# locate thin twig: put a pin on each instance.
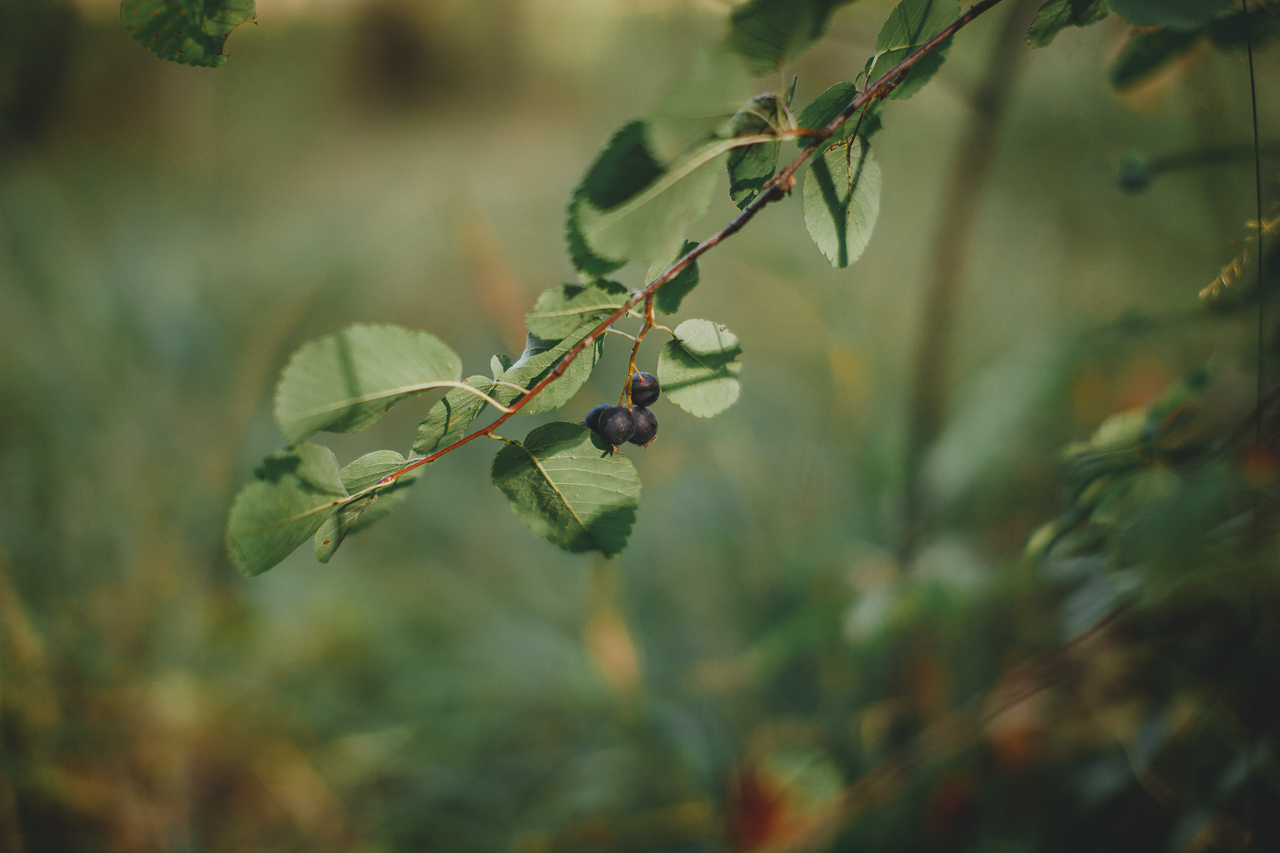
(775, 190)
(625, 399)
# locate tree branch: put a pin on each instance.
(775, 190)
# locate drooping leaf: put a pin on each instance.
(1056, 15)
(842, 200)
(539, 359)
(345, 382)
(560, 310)
(499, 363)
(568, 490)
(190, 32)
(830, 104)
(296, 490)
(1147, 53)
(668, 298)
(770, 34)
(450, 416)
(1176, 14)
(908, 27)
(752, 166)
(699, 370)
(356, 515)
(634, 206)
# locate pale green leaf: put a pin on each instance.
(539, 359)
(562, 309)
(1056, 15)
(356, 515)
(190, 32)
(699, 370)
(451, 415)
(568, 490)
(498, 364)
(345, 382)
(908, 27)
(842, 200)
(698, 106)
(296, 490)
(1176, 14)
(668, 298)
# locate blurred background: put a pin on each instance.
(773, 663)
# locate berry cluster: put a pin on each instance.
(638, 425)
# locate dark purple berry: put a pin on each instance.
(644, 390)
(593, 417)
(646, 427)
(616, 425)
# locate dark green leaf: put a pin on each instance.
(752, 166)
(668, 298)
(842, 200)
(1228, 32)
(296, 491)
(449, 418)
(1056, 15)
(772, 33)
(191, 32)
(569, 491)
(347, 381)
(908, 27)
(539, 359)
(356, 515)
(1147, 52)
(699, 370)
(830, 104)
(1177, 14)
(560, 310)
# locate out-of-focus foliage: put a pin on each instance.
(762, 669)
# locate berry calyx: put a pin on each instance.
(644, 390)
(646, 427)
(592, 421)
(616, 425)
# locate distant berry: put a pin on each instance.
(644, 390)
(616, 424)
(593, 417)
(646, 426)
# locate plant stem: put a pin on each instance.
(649, 322)
(777, 189)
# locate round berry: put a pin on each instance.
(593, 417)
(644, 390)
(646, 426)
(616, 425)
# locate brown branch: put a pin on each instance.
(775, 190)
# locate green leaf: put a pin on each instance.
(190, 32)
(449, 418)
(752, 166)
(698, 106)
(1229, 33)
(630, 207)
(347, 381)
(1056, 15)
(356, 515)
(699, 370)
(569, 491)
(560, 310)
(1176, 14)
(499, 363)
(772, 33)
(1147, 52)
(830, 104)
(296, 491)
(908, 27)
(540, 357)
(842, 200)
(668, 298)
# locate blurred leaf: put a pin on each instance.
(540, 357)
(567, 490)
(698, 106)
(699, 371)
(908, 27)
(1175, 14)
(630, 207)
(354, 516)
(842, 201)
(772, 33)
(1056, 15)
(1228, 32)
(752, 166)
(190, 32)
(345, 382)
(1147, 52)
(562, 309)
(296, 490)
(449, 417)
(668, 298)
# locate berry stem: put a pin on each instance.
(649, 323)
